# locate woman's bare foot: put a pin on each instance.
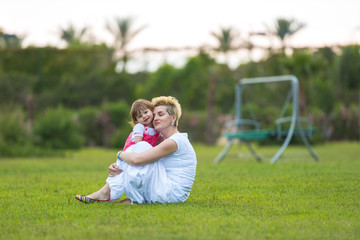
(126, 201)
(102, 194)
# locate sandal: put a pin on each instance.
(85, 199)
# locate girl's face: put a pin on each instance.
(145, 117)
(162, 118)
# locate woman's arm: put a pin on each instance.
(152, 155)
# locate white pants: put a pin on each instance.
(146, 183)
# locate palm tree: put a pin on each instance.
(226, 44)
(285, 28)
(72, 36)
(123, 32)
(248, 43)
(226, 41)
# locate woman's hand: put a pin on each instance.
(114, 170)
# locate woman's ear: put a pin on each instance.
(173, 120)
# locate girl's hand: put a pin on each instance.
(114, 170)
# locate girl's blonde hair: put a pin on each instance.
(136, 107)
(172, 106)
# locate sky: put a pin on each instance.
(183, 23)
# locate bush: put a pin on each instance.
(345, 123)
(14, 138)
(118, 113)
(113, 117)
(119, 137)
(91, 127)
(107, 126)
(13, 127)
(58, 128)
(15, 88)
(194, 124)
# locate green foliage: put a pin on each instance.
(350, 67)
(119, 87)
(119, 137)
(304, 64)
(107, 125)
(13, 127)
(194, 124)
(165, 77)
(58, 129)
(40, 78)
(15, 88)
(324, 95)
(14, 138)
(271, 66)
(193, 78)
(225, 95)
(92, 129)
(77, 62)
(194, 81)
(345, 122)
(119, 113)
(297, 198)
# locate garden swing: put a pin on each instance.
(240, 126)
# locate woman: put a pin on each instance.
(164, 173)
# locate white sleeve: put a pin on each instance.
(138, 130)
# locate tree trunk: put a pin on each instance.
(211, 101)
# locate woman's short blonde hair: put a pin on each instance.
(172, 106)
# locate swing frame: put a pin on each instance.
(257, 134)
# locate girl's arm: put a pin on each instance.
(152, 155)
(138, 139)
(138, 132)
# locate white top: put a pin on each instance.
(139, 130)
(181, 167)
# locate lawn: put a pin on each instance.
(296, 198)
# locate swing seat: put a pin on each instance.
(258, 135)
(251, 135)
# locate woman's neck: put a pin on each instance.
(169, 132)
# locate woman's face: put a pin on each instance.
(162, 118)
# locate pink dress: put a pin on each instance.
(148, 134)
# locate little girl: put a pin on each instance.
(141, 119)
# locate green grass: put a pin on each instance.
(296, 198)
